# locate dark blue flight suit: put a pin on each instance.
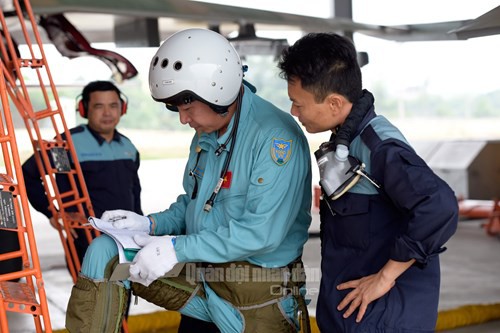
(111, 175)
(410, 217)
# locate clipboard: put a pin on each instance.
(121, 271)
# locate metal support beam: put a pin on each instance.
(343, 9)
(136, 32)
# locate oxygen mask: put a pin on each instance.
(337, 169)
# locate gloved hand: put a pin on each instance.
(156, 258)
(124, 219)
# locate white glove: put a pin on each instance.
(124, 219)
(156, 258)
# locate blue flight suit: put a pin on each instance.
(260, 216)
(411, 216)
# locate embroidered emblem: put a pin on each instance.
(281, 150)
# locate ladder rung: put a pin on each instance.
(18, 297)
(44, 114)
(68, 194)
(11, 254)
(54, 144)
(6, 179)
(74, 218)
(73, 202)
(5, 138)
(25, 272)
(33, 63)
(7, 184)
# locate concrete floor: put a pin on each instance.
(470, 266)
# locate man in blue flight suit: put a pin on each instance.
(242, 222)
(108, 159)
(384, 217)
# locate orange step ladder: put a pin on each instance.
(18, 290)
(53, 147)
(46, 127)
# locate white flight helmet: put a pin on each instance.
(196, 64)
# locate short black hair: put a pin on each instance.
(97, 86)
(325, 63)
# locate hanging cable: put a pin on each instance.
(232, 137)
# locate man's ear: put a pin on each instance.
(335, 103)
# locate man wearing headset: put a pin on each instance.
(109, 160)
(241, 224)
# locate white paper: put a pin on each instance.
(124, 238)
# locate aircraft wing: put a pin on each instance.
(215, 14)
(418, 32)
(120, 20)
(196, 11)
(485, 25)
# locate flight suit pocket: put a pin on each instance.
(351, 224)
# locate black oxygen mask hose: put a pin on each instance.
(359, 110)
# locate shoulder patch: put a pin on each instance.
(281, 150)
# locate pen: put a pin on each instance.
(116, 218)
